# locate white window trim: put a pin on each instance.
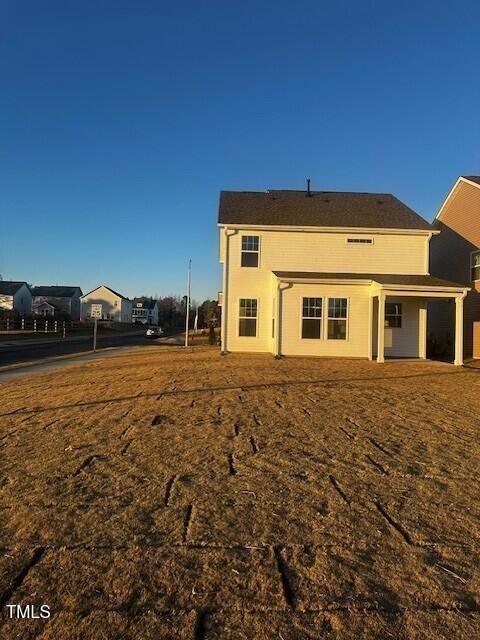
(239, 317)
(250, 235)
(370, 241)
(322, 323)
(473, 253)
(347, 326)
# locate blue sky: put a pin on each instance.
(121, 121)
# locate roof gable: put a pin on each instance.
(103, 286)
(43, 303)
(472, 180)
(319, 209)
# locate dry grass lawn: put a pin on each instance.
(172, 494)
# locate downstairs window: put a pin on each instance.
(247, 318)
(337, 318)
(311, 318)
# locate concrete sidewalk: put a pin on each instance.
(12, 371)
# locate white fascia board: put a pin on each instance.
(421, 289)
(363, 283)
(353, 230)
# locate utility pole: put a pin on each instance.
(187, 315)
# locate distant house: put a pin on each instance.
(145, 310)
(455, 254)
(106, 304)
(44, 309)
(57, 301)
(15, 297)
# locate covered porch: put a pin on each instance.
(391, 295)
(378, 316)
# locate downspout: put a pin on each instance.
(278, 322)
(225, 291)
(427, 255)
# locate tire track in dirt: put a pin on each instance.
(18, 580)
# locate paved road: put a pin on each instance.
(29, 352)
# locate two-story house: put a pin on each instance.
(327, 274)
(145, 311)
(104, 303)
(15, 297)
(57, 301)
(455, 254)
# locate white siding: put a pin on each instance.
(329, 252)
(318, 252)
(262, 288)
(356, 344)
(118, 308)
(404, 341)
(22, 301)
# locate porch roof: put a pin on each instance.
(383, 280)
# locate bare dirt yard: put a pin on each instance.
(178, 494)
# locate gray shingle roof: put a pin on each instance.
(321, 209)
(472, 178)
(9, 287)
(381, 278)
(56, 291)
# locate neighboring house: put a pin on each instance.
(106, 304)
(15, 297)
(455, 254)
(327, 274)
(145, 310)
(44, 309)
(62, 301)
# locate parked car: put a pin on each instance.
(154, 332)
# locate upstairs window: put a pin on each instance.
(250, 251)
(359, 240)
(247, 317)
(311, 317)
(393, 315)
(475, 266)
(337, 318)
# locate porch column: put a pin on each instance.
(381, 328)
(422, 331)
(370, 328)
(459, 330)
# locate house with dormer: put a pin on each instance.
(337, 274)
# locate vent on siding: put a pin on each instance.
(359, 240)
